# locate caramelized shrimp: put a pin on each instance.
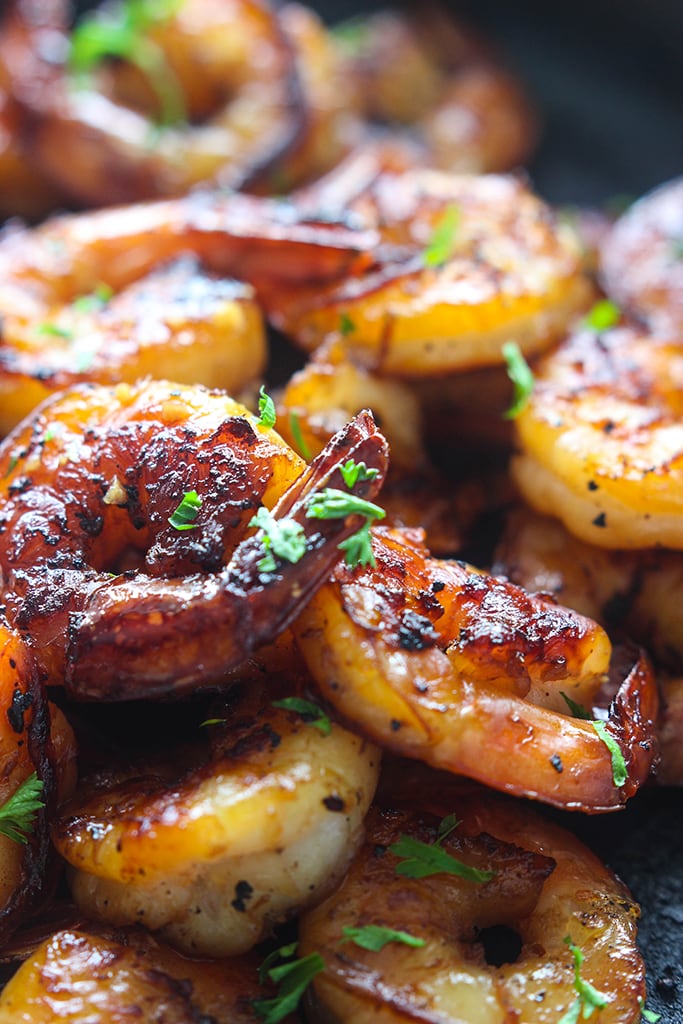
(545, 888)
(466, 672)
(509, 269)
(34, 737)
(83, 298)
(229, 122)
(600, 443)
(642, 259)
(86, 974)
(214, 858)
(119, 603)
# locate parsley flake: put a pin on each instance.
(619, 769)
(440, 246)
(521, 375)
(293, 979)
(346, 325)
(375, 937)
(649, 1015)
(424, 859)
(353, 471)
(266, 408)
(310, 712)
(55, 331)
(358, 547)
(282, 537)
(299, 441)
(603, 315)
(588, 998)
(331, 503)
(578, 710)
(183, 518)
(18, 813)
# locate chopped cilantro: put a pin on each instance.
(588, 998)
(619, 769)
(18, 813)
(310, 712)
(293, 978)
(603, 315)
(266, 408)
(374, 937)
(183, 518)
(353, 471)
(299, 441)
(521, 376)
(442, 242)
(282, 537)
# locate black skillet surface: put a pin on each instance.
(608, 78)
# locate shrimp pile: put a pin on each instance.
(281, 672)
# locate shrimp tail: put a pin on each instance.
(144, 637)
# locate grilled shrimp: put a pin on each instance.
(465, 671)
(232, 105)
(119, 603)
(642, 259)
(215, 858)
(82, 297)
(483, 261)
(112, 977)
(600, 443)
(546, 888)
(34, 738)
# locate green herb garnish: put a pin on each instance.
(588, 998)
(18, 814)
(358, 547)
(424, 859)
(295, 427)
(293, 978)
(310, 712)
(442, 242)
(331, 503)
(520, 374)
(55, 331)
(374, 937)
(94, 301)
(282, 537)
(346, 325)
(619, 769)
(266, 408)
(649, 1015)
(183, 518)
(603, 315)
(353, 471)
(578, 710)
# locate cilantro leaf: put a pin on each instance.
(440, 247)
(374, 937)
(346, 325)
(282, 537)
(603, 315)
(578, 710)
(588, 997)
(266, 408)
(353, 471)
(299, 441)
(358, 547)
(310, 712)
(331, 503)
(425, 859)
(94, 300)
(183, 518)
(293, 979)
(18, 813)
(649, 1015)
(55, 330)
(619, 769)
(521, 375)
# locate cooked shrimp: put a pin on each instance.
(600, 443)
(112, 977)
(638, 594)
(215, 858)
(34, 737)
(546, 888)
(180, 323)
(642, 259)
(88, 486)
(508, 270)
(466, 672)
(227, 67)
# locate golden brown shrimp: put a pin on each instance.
(225, 66)
(34, 738)
(214, 858)
(88, 486)
(507, 269)
(546, 888)
(642, 259)
(113, 977)
(600, 443)
(57, 328)
(464, 671)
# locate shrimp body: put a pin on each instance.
(215, 858)
(96, 575)
(546, 886)
(466, 672)
(509, 270)
(600, 443)
(84, 974)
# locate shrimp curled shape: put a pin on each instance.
(213, 859)
(90, 296)
(546, 887)
(120, 604)
(466, 672)
(600, 442)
